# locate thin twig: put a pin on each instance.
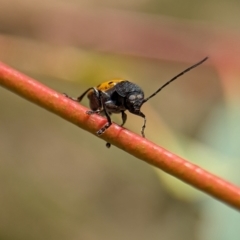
(135, 145)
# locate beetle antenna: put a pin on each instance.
(174, 78)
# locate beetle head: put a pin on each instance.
(134, 101)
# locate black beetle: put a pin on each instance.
(117, 96)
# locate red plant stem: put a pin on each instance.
(139, 147)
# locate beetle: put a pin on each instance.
(117, 96)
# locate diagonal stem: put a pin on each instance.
(139, 147)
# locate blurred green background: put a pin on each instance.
(59, 182)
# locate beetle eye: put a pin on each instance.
(139, 96)
(132, 97)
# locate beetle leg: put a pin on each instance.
(108, 145)
(144, 123)
(74, 99)
(90, 112)
(79, 99)
(143, 127)
(140, 114)
(108, 124)
(103, 129)
(112, 107)
(124, 118)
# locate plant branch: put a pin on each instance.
(135, 145)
